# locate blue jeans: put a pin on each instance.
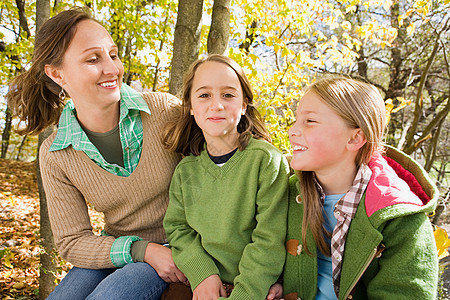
(134, 281)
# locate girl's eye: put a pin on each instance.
(204, 95)
(228, 95)
(310, 121)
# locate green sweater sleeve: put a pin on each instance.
(263, 259)
(187, 252)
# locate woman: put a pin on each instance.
(106, 152)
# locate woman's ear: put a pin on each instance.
(55, 74)
(357, 140)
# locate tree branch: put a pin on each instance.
(419, 98)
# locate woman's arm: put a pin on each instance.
(68, 214)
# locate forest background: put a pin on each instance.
(400, 46)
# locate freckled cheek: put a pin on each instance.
(318, 141)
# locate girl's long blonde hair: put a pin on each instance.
(360, 105)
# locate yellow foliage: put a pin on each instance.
(390, 108)
(320, 36)
(351, 9)
(387, 5)
(7, 256)
(400, 20)
(346, 25)
(403, 103)
(442, 242)
(410, 29)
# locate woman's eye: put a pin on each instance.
(228, 95)
(92, 60)
(310, 121)
(114, 56)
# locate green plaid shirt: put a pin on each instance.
(70, 133)
(130, 127)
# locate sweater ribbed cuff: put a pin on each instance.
(121, 250)
(238, 293)
(198, 268)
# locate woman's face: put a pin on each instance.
(91, 71)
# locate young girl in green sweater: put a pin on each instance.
(357, 223)
(226, 219)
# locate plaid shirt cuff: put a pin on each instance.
(121, 250)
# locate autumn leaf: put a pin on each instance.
(6, 255)
(442, 242)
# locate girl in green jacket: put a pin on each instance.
(226, 219)
(357, 226)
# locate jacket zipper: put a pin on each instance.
(371, 257)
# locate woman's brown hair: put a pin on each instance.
(33, 96)
(360, 105)
(184, 136)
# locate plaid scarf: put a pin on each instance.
(344, 212)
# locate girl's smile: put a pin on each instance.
(319, 138)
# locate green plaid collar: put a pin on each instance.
(70, 131)
(131, 133)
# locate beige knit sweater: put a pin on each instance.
(133, 205)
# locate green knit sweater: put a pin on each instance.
(230, 220)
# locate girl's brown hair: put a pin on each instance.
(33, 96)
(184, 136)
(360, 105)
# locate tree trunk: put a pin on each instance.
(22, 17)
(219, 32)
(432, 148)
(22, 143)
(411, 145)
(48, 268)
(6, 133)
(250, 37)
(396, 83)
(186, 41)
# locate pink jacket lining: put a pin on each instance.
(392, 184)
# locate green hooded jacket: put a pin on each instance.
(392, 217)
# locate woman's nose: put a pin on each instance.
(110, 67)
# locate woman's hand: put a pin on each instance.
(275, 292)
(160, 258)
(210, 288)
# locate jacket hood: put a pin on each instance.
(398, 180)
